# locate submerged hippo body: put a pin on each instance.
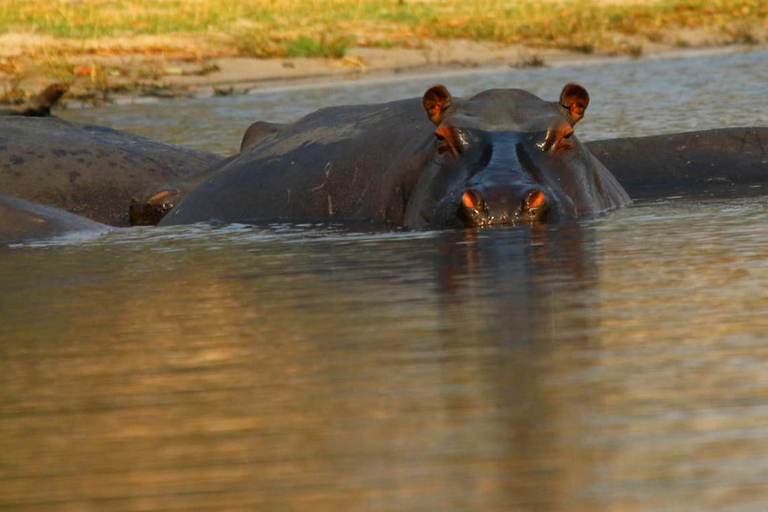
(88, 170)
(691, 163)
(500, 157)
(22, 220)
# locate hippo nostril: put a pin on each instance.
(470, 199)
(535, 199)
(534, 205)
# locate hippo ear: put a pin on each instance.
(437, 101)
(575, 100)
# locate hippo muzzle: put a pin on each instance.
(510, 205)
(498, 190)
(485, 205)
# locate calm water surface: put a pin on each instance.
(614, 364)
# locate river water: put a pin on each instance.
(615, 364)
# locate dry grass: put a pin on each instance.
(104, 46)
(269, 28)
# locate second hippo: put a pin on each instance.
(89, 170)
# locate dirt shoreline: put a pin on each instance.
(129, 77)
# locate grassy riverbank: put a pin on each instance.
(328, 27)
(40, 34)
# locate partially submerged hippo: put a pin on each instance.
(691, 163)
(22, 220)
(501, 157)
(89, 170)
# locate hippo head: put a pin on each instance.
(506, 157)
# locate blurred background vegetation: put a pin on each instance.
(98, 48)
(273, 28)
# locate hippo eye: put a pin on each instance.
(445, 142)
(442, 144)
(557, 139)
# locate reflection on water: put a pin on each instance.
(615, 364)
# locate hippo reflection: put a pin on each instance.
(502, 157)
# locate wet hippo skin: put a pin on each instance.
(88, 170)
(22, 220)
(689, 163)
(502, 157)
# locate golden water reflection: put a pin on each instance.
(615, 366)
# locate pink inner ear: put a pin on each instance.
(436, 101)
(576, 99)
(433, 111)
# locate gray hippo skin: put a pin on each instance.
(88, 170)
(148, 208)
(501, 157)
(710, 162)
(22, 220)
(691, 163)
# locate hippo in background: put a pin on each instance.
(22, 221)
(502, 157)
(696, 163)
(88, 170)
(149, 207)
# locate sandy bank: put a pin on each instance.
(128, 75)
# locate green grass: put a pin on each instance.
(328, 27)
(305, 46)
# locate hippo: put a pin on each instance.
(501, 157)
(151, 205)
(22, 221)
(690, 163)
(88, 170)
(722, 161)
(148, 208)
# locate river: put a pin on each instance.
(614, 364)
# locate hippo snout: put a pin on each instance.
(507, 205)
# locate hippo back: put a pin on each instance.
(22, 220)
(350, 162)
(690, 163)
(89, 170)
